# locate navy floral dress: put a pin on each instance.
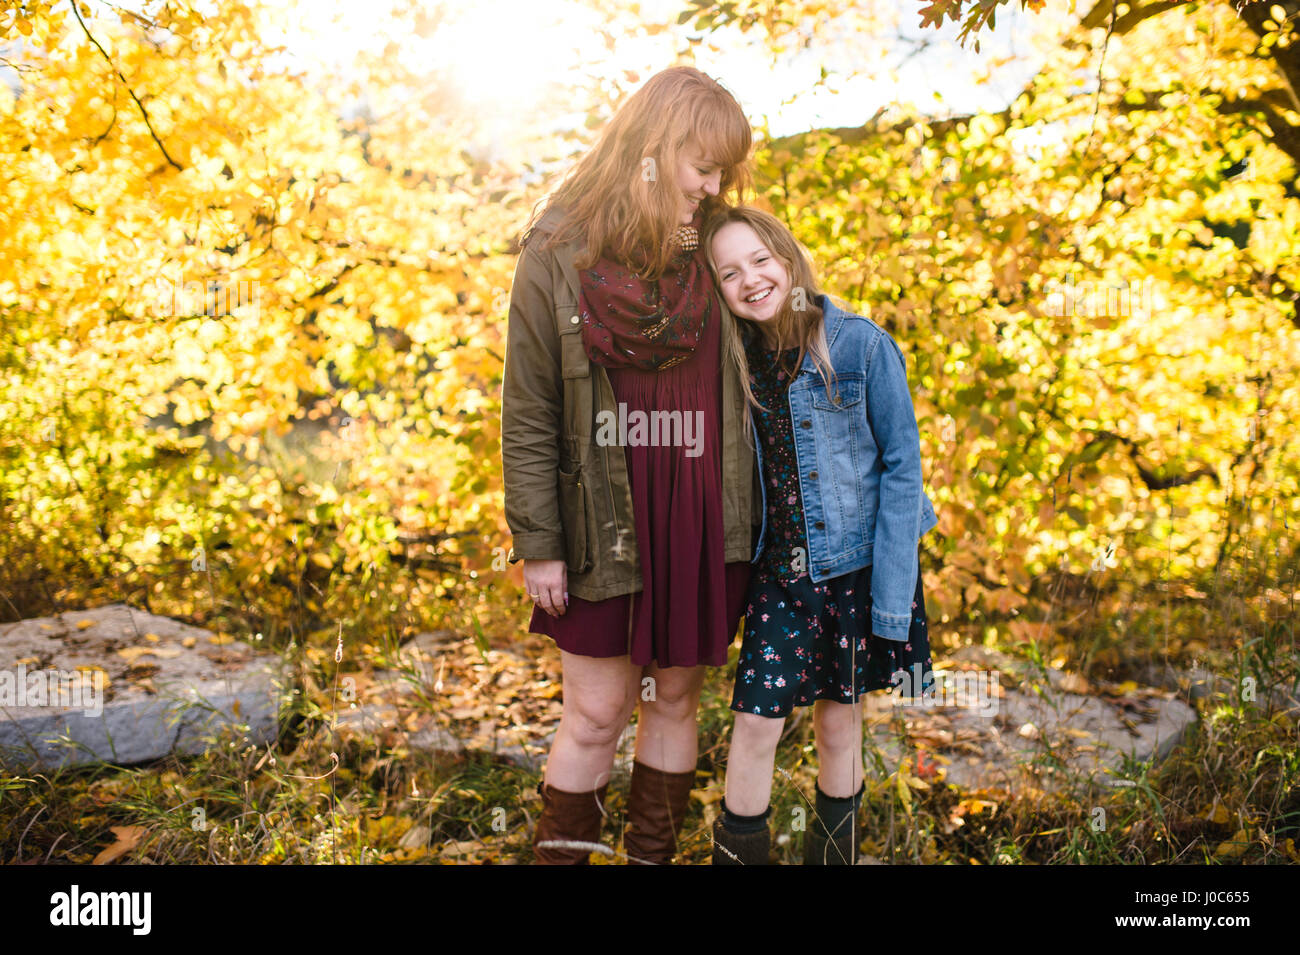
(808, 641)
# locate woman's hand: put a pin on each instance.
(547, 582)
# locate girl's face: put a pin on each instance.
(753, 281)
(697, 177)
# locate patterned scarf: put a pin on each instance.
(630, 322)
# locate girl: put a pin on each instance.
(636, 546)
(834, 607)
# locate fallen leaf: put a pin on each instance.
(1218, 813)
(93, 668)
(130, 654)
(461, 848)
(1234, 847)
(83, 624)
(707, 796)
(1074, 683)
(128, 837)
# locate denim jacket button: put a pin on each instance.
(820, 525)
(812, 475)
(806, 423)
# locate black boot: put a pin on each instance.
(832, 837)
(740, 848)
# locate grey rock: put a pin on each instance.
(1045, 729)
(171, 701)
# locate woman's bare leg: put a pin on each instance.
(599, 696)
(667, 738)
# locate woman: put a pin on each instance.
(636, 540)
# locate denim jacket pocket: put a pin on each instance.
(845, 452)
(849, 392)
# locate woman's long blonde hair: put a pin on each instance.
(623, 194)
(798, 321)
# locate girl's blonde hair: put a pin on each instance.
(798, 320)
(623, 193)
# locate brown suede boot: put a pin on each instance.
(567, 817)
(656, 808)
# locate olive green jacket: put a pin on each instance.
(566, 497)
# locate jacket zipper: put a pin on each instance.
(618, 539)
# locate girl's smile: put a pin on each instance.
(754, 282)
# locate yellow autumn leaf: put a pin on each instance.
(904, 792)
(95, 668)
(1233, 847)
(131, 654)
(1217, 813)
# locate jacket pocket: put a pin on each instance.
(849, 392)
(573, 355)
(575, 511)
(844, 456)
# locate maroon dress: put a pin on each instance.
(689, 609)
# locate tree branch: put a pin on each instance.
(143, 112)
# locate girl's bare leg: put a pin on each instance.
(838, 730)
(751, 761)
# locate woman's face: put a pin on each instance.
(697, 177)
(753, 281)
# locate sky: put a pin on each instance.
(503, 56)
(505, 60)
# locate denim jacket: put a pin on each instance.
(863, 501)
